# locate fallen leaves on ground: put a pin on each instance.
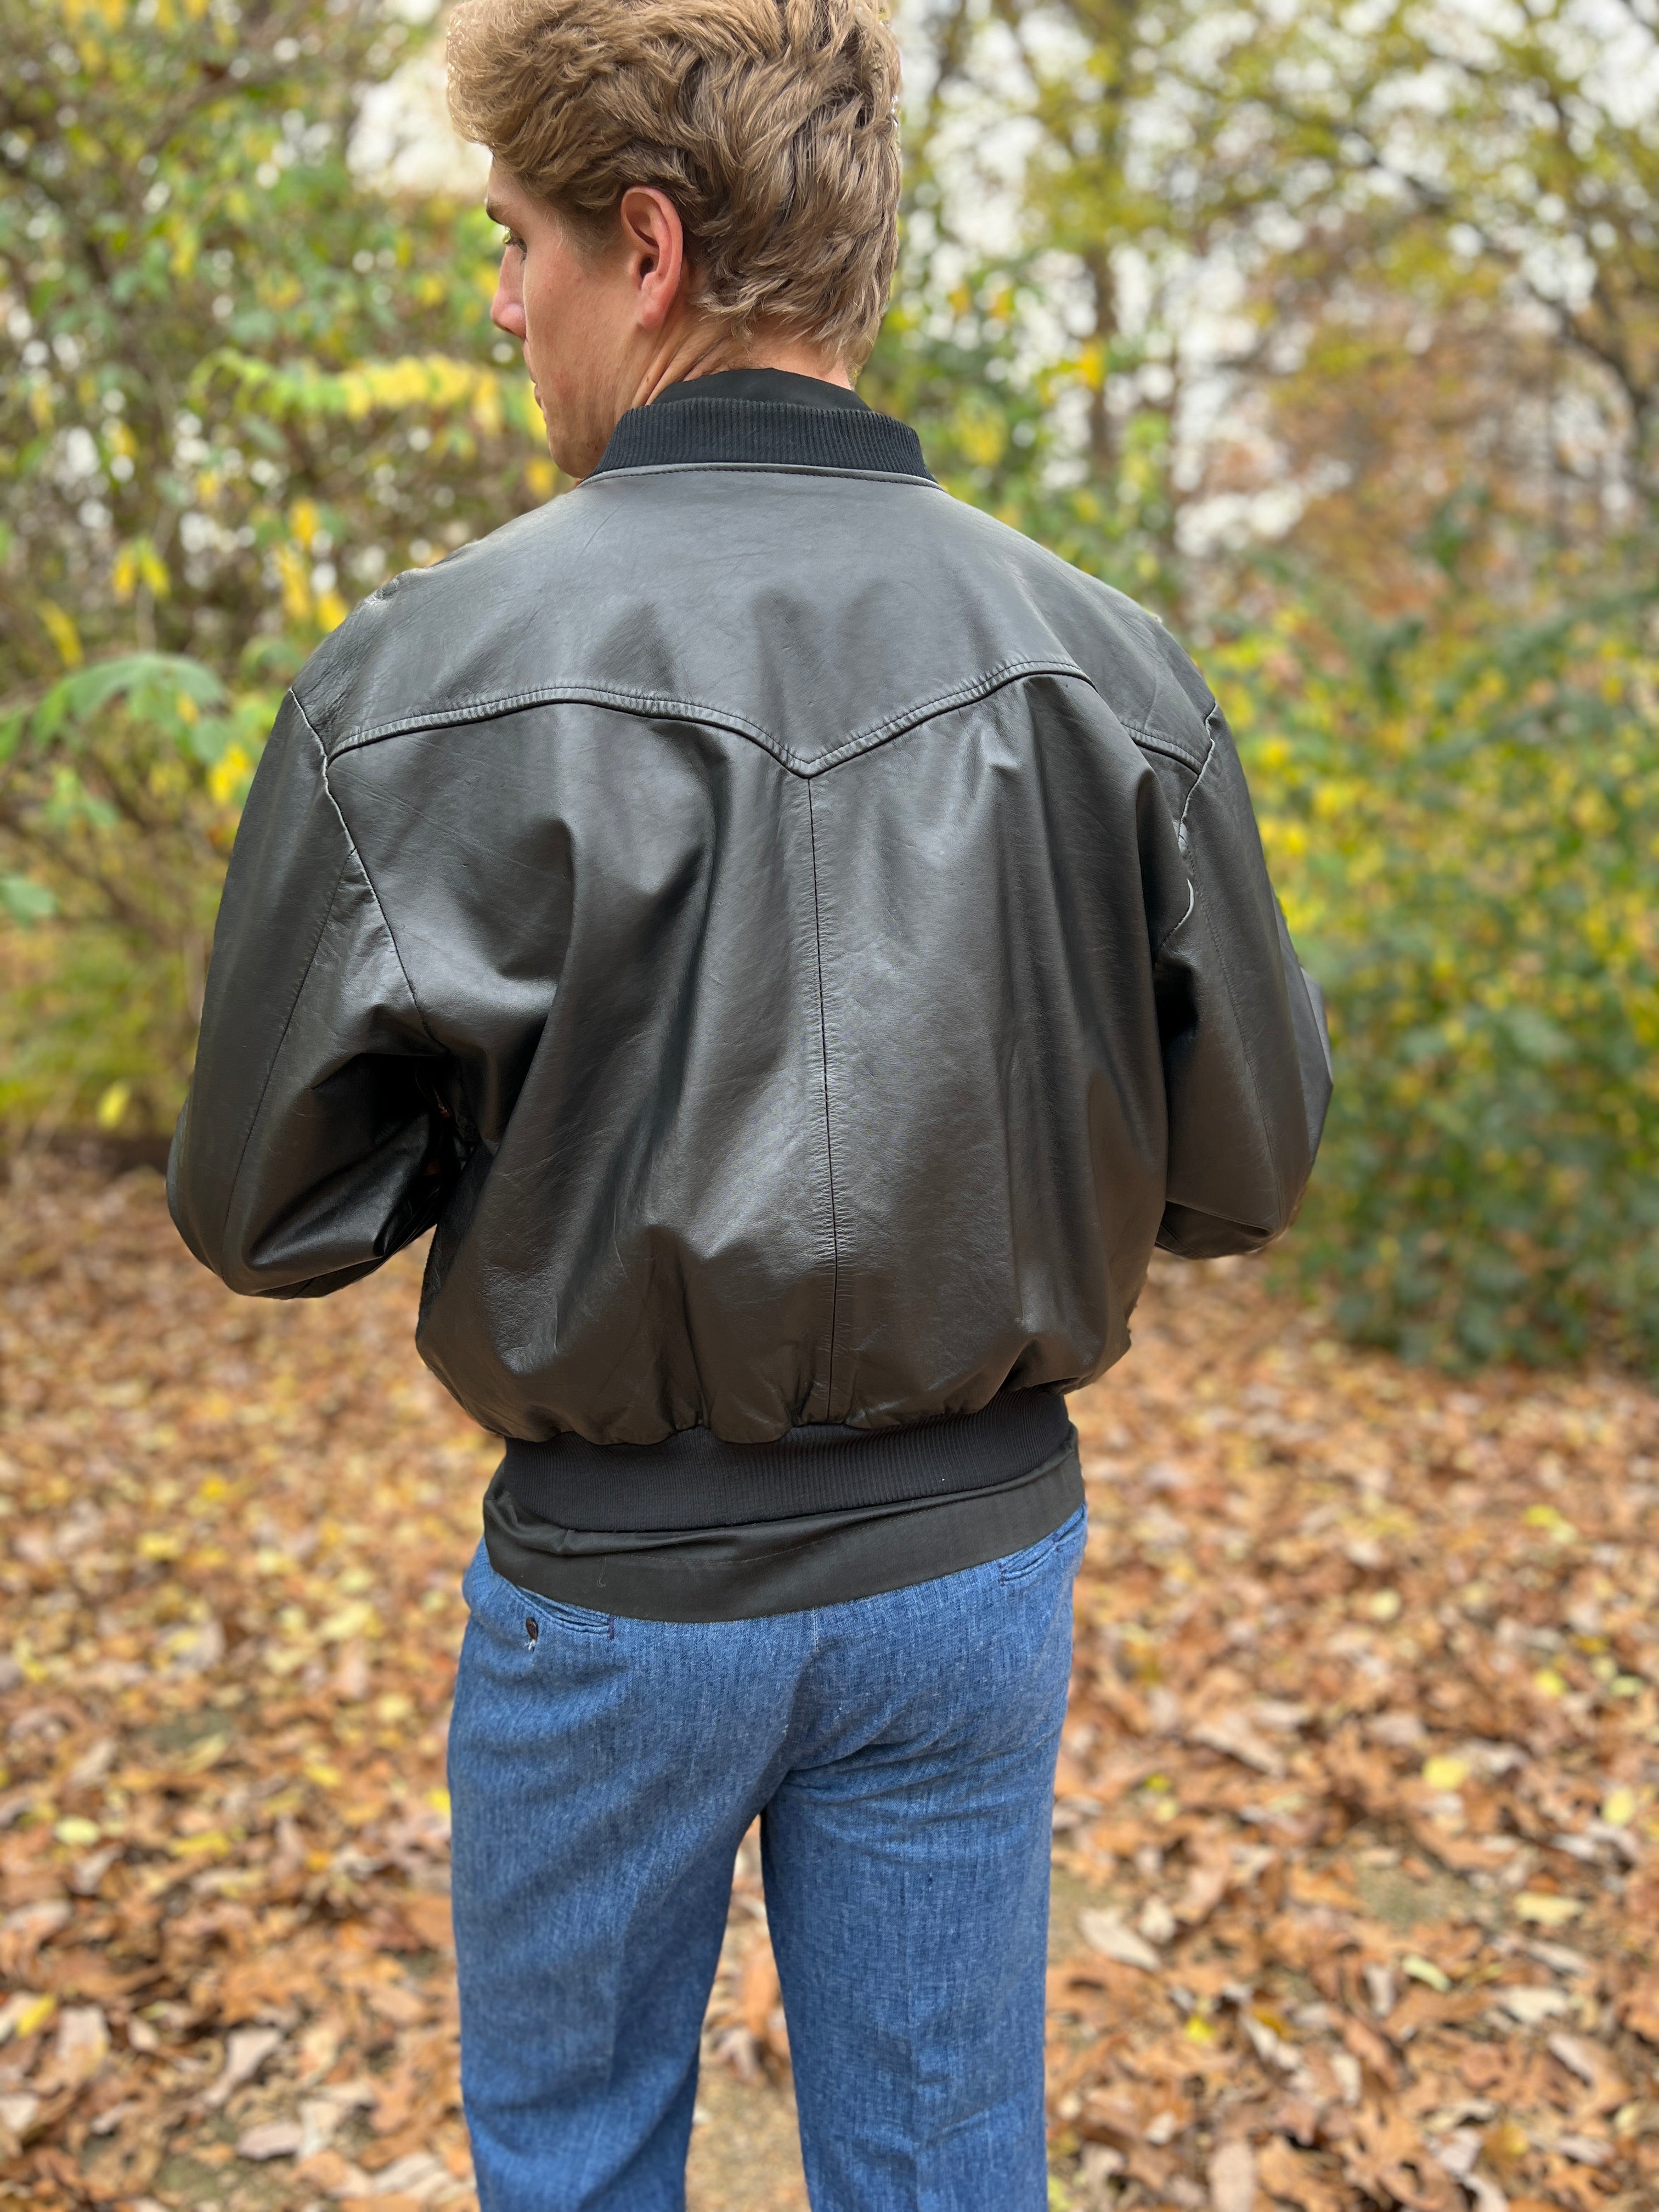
(1360, 1780)
(233, 1534)
(1358, 1837)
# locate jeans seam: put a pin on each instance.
(914, 2132)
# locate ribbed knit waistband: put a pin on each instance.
(694, 1479)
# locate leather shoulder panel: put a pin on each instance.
(775, 604)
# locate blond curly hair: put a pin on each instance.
(771, 125)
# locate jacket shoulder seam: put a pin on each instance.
(294, 1003)
(1263, 1123)
(355, 852)
(1175, 927)
(1209, 728)
(1174, 748)
(1224, 956)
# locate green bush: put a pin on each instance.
(1463, 818)
(221, 422)
(120, 786)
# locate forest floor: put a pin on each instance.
(1357, 1843)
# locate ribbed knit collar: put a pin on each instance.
(762, 417)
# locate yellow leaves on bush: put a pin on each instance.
(424, 384)
(983, 437)
(280, 289)
(184, 246)
(168, 12)
(112, 14)
(60, 627)
(295, 581)
(229, 774)
(138, 562)
(486, 408)
(111, 1109)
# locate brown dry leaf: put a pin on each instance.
(1211, 1875)
(81, 2046)
(245, 2052)
(1105, 1932)
(1235, 1735)
(427, 1915)
(1232, 2177)
(327, 2174)
(1591, 2065)
(1294, 2179)
(270, 2139)
(1118, 2111)
(1383, 2155)
(1370, 2049)
(1638, 2010)
(23, 1932)
(757, 1989)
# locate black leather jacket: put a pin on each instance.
(801, 943)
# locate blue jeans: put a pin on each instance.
(900, 1752)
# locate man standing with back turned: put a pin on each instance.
(801, 946)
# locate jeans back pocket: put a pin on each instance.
(1020, 1566)
(522, 1616)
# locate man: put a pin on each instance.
(801, 946)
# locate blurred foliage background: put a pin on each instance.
(1330, 331)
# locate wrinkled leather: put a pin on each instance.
(802, 944)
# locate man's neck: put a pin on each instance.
(698, 354)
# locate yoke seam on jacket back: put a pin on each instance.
(644, 705)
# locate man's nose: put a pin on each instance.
(506, 310)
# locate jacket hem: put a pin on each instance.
(695, 1480)
(801, 1564)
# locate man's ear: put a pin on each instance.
(653, 243)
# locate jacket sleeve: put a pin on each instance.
(1247, 1059)
(307, 1151)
